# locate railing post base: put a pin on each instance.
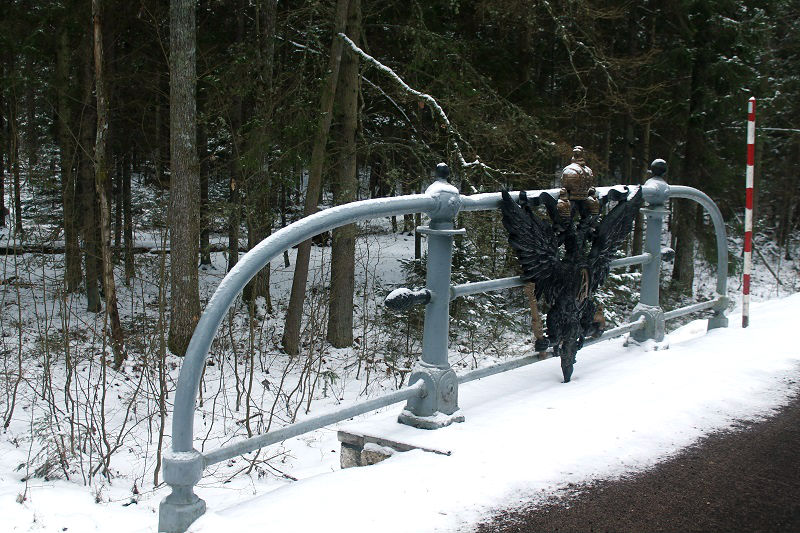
(654, 326)
(182, 471)
(177, 517)
(719, 320)
(438, 407)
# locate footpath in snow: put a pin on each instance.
(527, 435)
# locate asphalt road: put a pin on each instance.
(743, 480)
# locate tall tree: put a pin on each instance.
(72, 256)
(102, 186)
(294, 313)
(235, 165)
(345, 186)
(184, 178)
(259, 183)
(86, 185)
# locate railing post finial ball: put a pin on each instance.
(442, 172)
(659, 168)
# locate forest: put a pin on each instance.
(146, 145)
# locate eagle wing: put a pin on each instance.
(612, 231)
(535, 244)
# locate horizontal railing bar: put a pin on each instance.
(616, 332)
(530, 359)
(465, 289)
(640, 259)
(498, 368)
(702, 306)
(492, 200)
(326, 419)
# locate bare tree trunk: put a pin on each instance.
(340, 315)
(636, 247)
(294, 313)
(117, 193)
(234, 214)
(127, 230)
(101, 184)
(3, 135)
(184, 178)
(685, 212)
(31, 135)
(638, 230)
(2, 172)
(72, 250)
(259, 193)
(158, 160)
(19, 231)
(202, 145)
(235, 165)
(89, 228)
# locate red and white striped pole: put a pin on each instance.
(748, 210)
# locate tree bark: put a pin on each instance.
(127, 230)
(345, 186)
(235, 166)
(19, 230)
(72, 254)
(101, 184)
(3, 135)
(202, 145)
(259, 193)
(294, 313)
(184, 178)
(91, 248)
(685, 212)
(116, 186)
(636, 246)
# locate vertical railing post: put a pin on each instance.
(656, 192)
(439, 406)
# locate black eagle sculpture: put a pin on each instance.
(568, 258)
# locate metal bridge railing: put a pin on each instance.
(432, 393)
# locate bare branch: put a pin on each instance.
(454, 135)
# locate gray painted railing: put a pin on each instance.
(432, 394)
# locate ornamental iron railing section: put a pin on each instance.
(432, 393)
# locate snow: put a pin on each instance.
(526, 435)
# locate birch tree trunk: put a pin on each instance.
(345, 186)
(294, 313)
(101, 178)
(184, 178)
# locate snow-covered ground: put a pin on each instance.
(526, 435)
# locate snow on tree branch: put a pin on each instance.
(432, 102)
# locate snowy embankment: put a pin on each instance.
(527, 435)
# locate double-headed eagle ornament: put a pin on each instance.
(568, 257)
